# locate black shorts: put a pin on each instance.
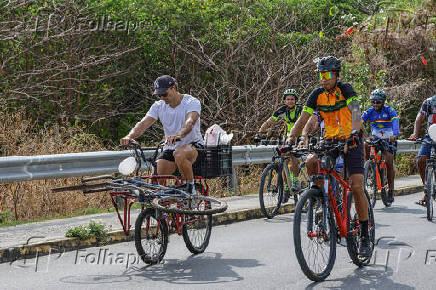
(354, 161)
(169, 153)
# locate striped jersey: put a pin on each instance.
(384, 123)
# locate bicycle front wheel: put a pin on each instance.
(384, 193)
(189, 204)
(370, 181)
(430, 183)
(271, 190)
(315, 236)
(353, 231)
(151, 236)
(196, 232)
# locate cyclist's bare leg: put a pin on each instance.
(359, 196)
(422, 162)
(312, 167)
(389, 158)
(294, 166)
(185, 156)
(165, 167)
(366, 149)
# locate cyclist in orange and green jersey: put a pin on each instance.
(289, 112)
(338, 105)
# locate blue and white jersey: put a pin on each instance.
(384, 123)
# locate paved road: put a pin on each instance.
(256, 254)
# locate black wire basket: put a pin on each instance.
(214, 161)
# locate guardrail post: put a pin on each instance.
(234, 181)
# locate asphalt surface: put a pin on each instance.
(254, 254)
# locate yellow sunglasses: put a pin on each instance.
(326, 75)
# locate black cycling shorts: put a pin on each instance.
(354, 160)
(169, 153)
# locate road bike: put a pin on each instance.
(324, 215)
(275, 175)
(164, 207)
(375, 176)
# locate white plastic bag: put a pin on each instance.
(215, 135)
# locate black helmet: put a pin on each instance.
(329, 63)
(290, 92)
(378, 94)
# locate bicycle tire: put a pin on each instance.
(189, 204)
(313, 198)
(370, 181)
(196, 232)
(353, 232)
(154, 252)
(430, 189)
(270, 202)
(384, 193)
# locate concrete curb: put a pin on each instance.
(33, 250)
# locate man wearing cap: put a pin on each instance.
(180, 118)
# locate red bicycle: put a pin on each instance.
(325, 215)
(165, 206)
(375, 176)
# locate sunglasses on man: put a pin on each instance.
(326, 75)
(377, 102)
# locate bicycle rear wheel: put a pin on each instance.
(353, 231)
(370, 181)
(315, 236)
(189, 204)
(151, 236)
(430, 183)
(271, 190)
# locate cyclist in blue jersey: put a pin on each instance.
(384, 125)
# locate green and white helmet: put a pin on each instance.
(290, 92)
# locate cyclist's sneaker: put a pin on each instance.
(286, 195)
(391, 196)
(364, 246)
(296, 185)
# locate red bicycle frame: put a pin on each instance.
(375, 157)
(129, 199)
(341, 216)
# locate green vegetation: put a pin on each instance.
(94, 229)
(76, 75)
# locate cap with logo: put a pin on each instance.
(162, 84)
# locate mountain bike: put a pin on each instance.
(375, 176)
(325, 215)
(275, 175)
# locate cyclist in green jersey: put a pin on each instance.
(289, 112)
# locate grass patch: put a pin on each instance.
(97, 230)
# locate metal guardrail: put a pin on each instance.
(22, 168)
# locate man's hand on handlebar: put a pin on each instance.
(126, 140)
(304, 142)
(257, 139)
(412, 137)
